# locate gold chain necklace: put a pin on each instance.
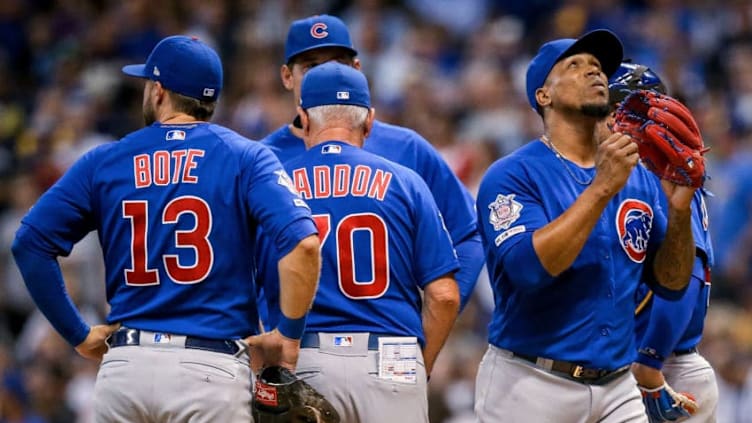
(563, 161)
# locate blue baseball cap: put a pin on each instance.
(316, 32)
(334, 83)
(601, 43)
(184, 65)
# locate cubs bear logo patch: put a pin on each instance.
(504, 211)
(634, 220)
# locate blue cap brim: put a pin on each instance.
(601, 43)
(138, 71)
(318, 46)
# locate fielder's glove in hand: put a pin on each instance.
(663, 404)
(669, 140)
(282, 397)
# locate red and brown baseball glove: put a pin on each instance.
(282, 397)
(667, 135)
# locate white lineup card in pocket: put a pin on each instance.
(398, 359)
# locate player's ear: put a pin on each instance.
(356, 63)
(542, 96)
(304, 121)
(285, 73)
(369, 122)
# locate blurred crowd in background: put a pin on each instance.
(453, 70)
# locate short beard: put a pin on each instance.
(599, 111)
(149, 115)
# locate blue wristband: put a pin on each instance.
(292, 328)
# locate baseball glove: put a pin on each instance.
(663, 404)
(282, 397)
(669, 141)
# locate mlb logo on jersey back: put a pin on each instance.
(175, 135)
(162, 338)
(343, 341)
(331, 149)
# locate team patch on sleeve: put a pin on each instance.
(506, 235)
(504, 211)
(285, 180)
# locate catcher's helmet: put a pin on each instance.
(630, 77)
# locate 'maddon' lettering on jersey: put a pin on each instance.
(342, 180)
(164, 167)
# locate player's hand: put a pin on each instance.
(273, 349)
(95, 345)
(615, 158)
(679, 197)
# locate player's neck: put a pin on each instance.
(346, 135)
(575, 140)
(176, 118)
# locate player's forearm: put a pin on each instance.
(441, 303)
(559, 242)
(667, 323)
(44, 280)
(673, 261)
(299, 276)
(470, 255)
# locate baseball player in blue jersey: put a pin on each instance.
(570, 225)
(176, 205)
(323, 38)
(370, 339)
(668, 331)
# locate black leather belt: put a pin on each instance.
(311, 340)
(126, 336)
(575, 371)
(685, 352)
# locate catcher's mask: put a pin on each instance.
(631, 77)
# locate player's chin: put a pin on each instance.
(597, 109)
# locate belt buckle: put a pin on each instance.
(577, 372)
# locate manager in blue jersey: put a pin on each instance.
(570, 225)
(176, 206)
(387, 297)
(323, 38)
(668, 332)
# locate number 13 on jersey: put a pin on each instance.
(377, 233)
(197, 239)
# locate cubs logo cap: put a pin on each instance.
(333, 83)
(601, 43)
(184, 65)
(316, 32)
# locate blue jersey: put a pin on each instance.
(409, 149)
(177, 208)
(666, 326)
(584, 315)
(382, 236)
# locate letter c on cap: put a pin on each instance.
(318, 30)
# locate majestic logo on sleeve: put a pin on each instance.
(504, 211)
(633, 223)
(704, 212)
